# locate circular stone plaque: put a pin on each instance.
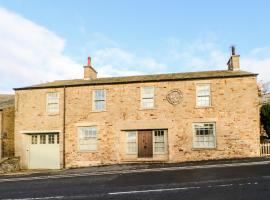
(174, 97)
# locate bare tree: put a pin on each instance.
(266, 87)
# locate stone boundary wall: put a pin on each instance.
(9, 165)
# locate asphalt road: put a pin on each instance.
(241, 182)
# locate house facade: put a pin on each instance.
(7, 118)
(153, 118)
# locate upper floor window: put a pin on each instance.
(147, 97)
(53, 102)
(204, 135)
(87, 138)
(203, 95)
(99, 100)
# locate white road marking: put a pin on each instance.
(179, 188)
(155, 190)
(38, 198)
(133, 171)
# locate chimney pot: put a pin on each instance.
(234, 61)
(233, 50)
(89, 61)
(89, 71)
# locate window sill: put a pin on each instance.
(202, 149)
(87, 151)
(53, 114)
(142, 109)
(159, 153)
(98, 111)
(203, 107)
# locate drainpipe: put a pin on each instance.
(64, 127)
(1, 132)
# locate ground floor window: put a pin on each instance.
(159, 141)
(204, 135)
(45, 138)
(131, 142)
(87, 138)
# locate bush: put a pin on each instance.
(265, 118)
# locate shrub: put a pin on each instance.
(265, 118)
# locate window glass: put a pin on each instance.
(42, 139)
(159, 138)
(147, 97)
(87, 138)
(132, 142)
(34, 139)
(53, 102)
(99, 100)
(203, 95)
(51, 138)
(204, 135)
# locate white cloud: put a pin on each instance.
(207, 55)
(116, 62)
(30, 53)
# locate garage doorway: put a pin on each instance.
(44, 152)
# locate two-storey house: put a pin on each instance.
(150, 118)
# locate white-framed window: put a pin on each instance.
(131, 147)
(51, 139)
(99, 100)
(204, 135)
(159, 141)
(203, 95)
(147, 97)
(34, 139)
(42, 138)
(53, 102)
(87, 138)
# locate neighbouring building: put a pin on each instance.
(265, 99)
(7, 117)
(150, 118)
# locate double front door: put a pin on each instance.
(145, 144)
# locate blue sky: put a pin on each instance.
(46, 40)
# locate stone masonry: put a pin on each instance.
(7, 118)
(234, 109)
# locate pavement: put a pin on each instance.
(234, 179)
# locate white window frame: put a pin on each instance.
(94, 100)
(94, 142)
(195, 137)
(127, 142)
(48, 103)
(143, 97)
(206, 95)
(165, 141)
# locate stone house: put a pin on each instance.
(7, 117)
(265, 98)
(150, 118)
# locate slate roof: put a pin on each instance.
(6, 100)
(141, 78)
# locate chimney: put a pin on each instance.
(234, 61)
(89, 71)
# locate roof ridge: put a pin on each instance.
(142, 78)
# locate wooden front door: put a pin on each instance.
(145, 144)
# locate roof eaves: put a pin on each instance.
(136, 81)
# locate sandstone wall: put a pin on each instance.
(7, 128)
(234, 110)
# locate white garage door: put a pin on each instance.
(44, 151)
